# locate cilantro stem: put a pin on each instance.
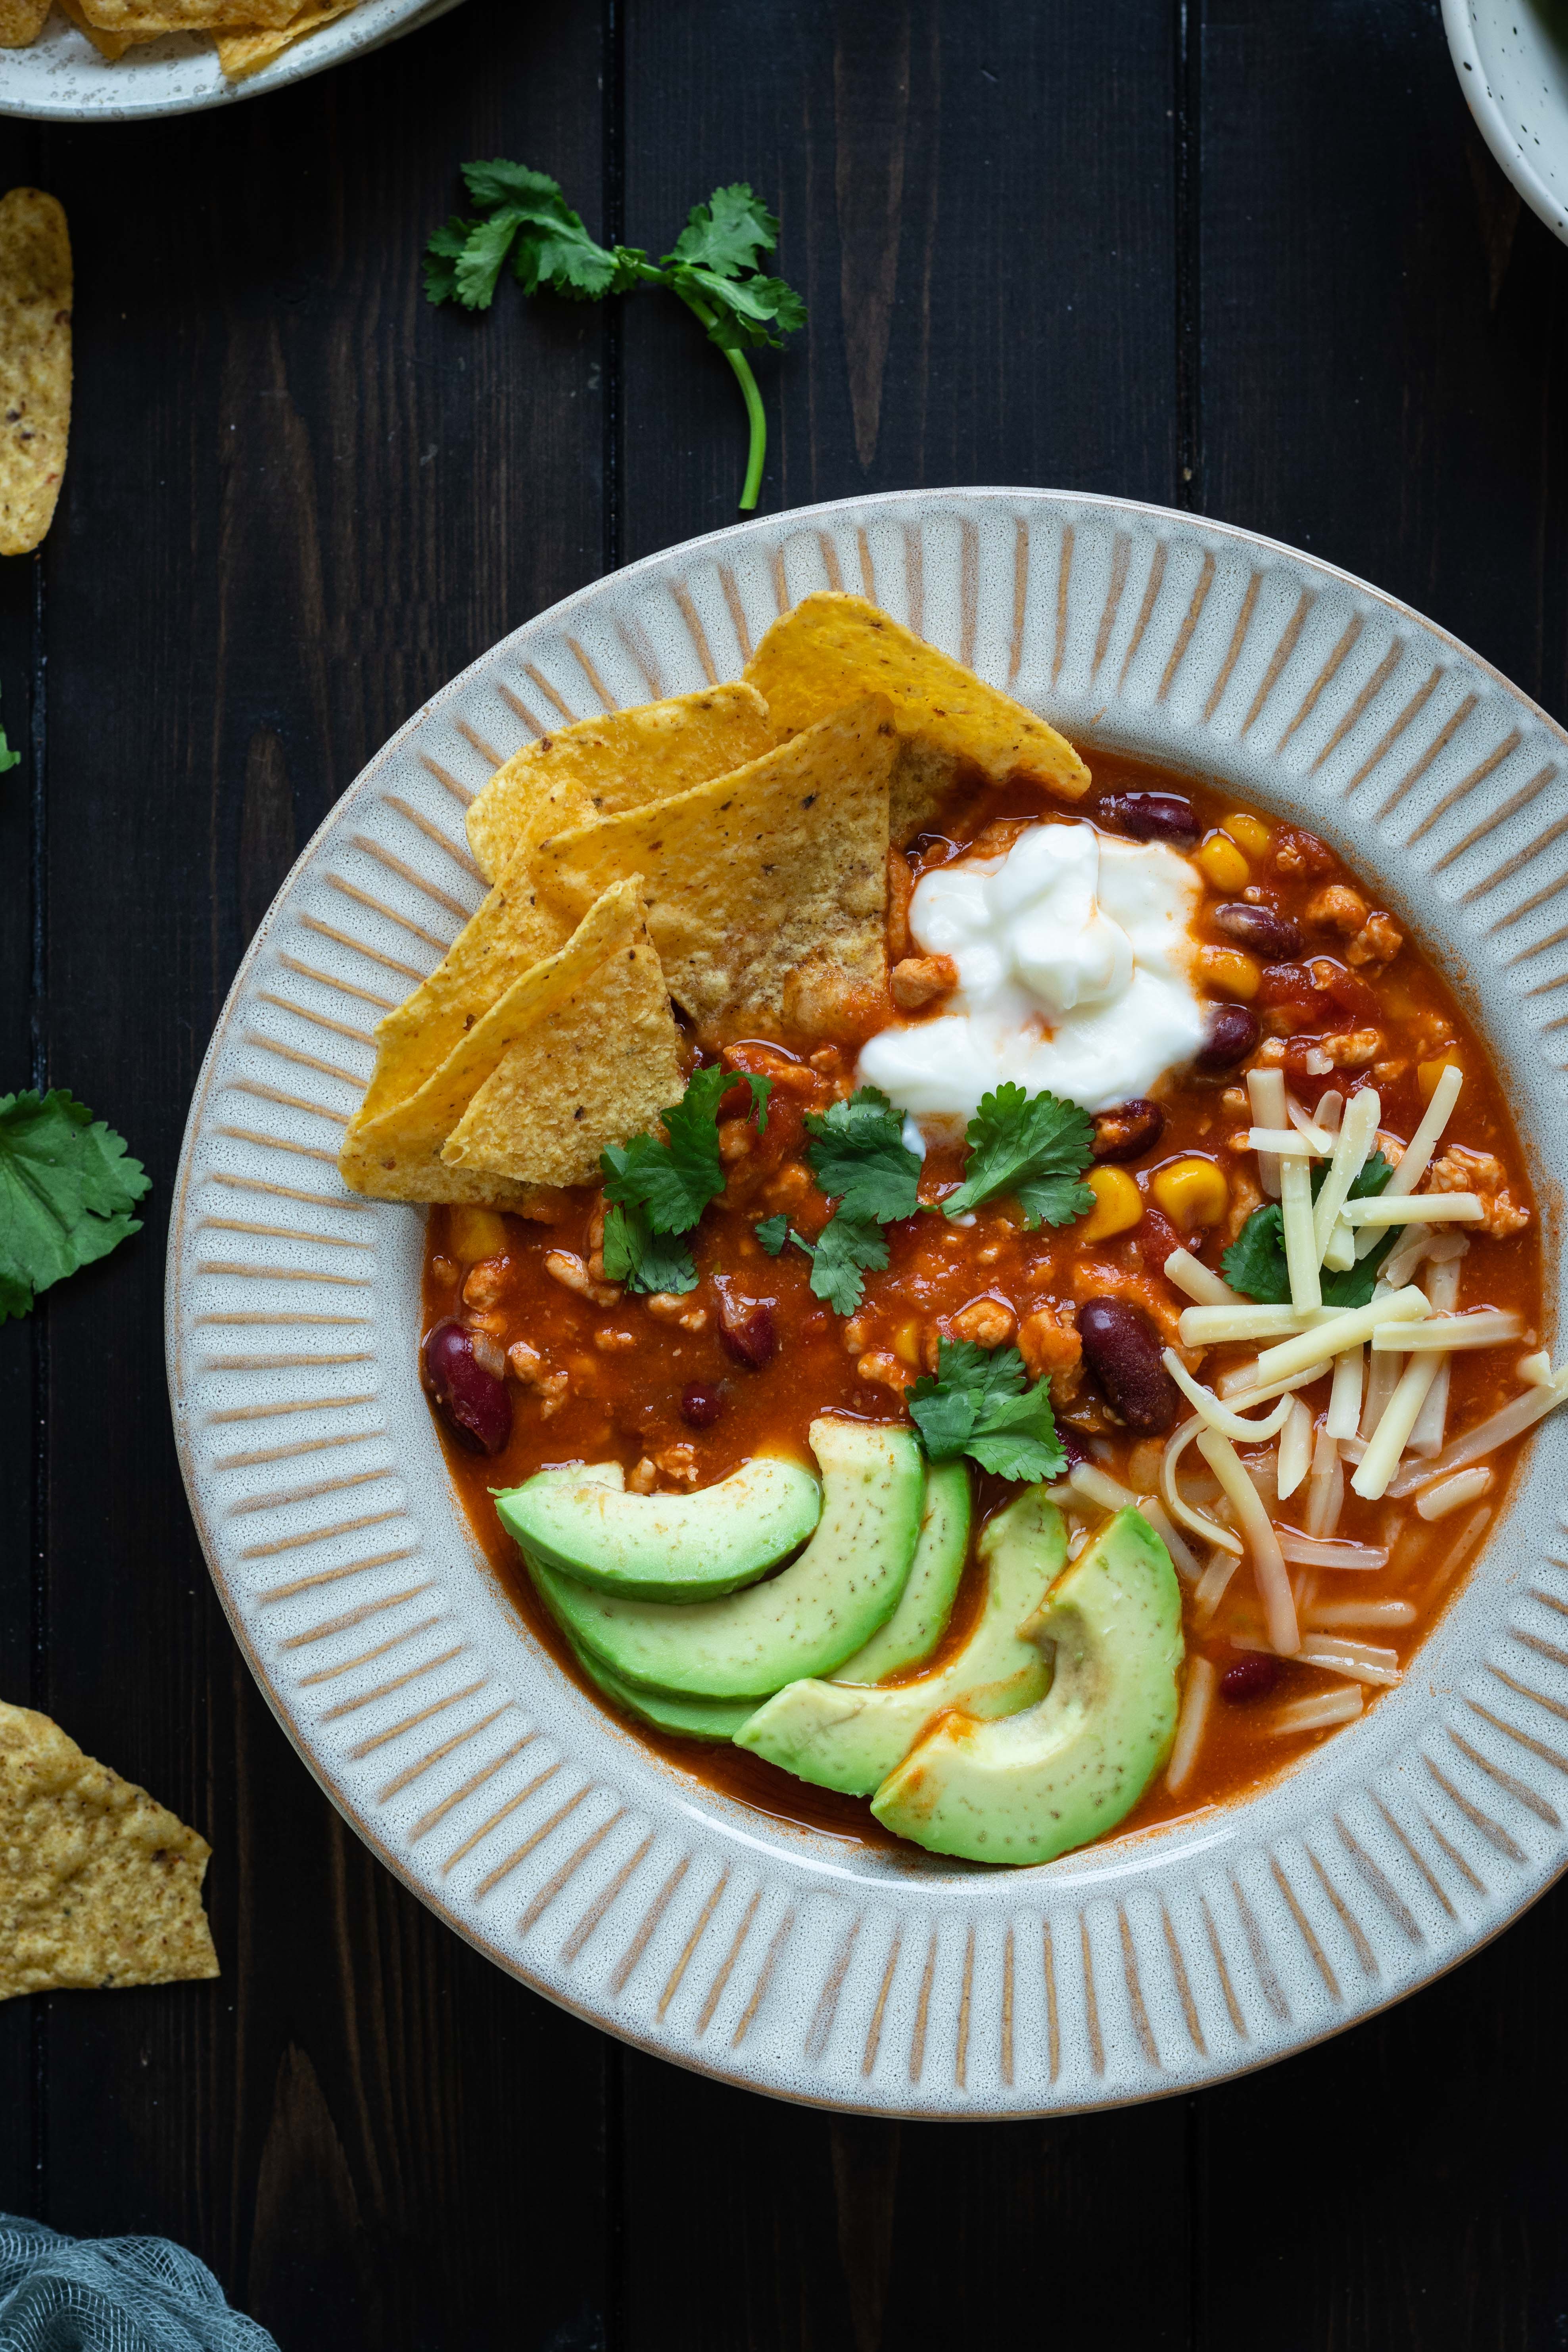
(751, 489)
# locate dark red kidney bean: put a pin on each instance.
(475, 1405)
(1250, 1679)
(1232, 1033)
(1261, 930)
(1128, 1131)
(1072, 1446)
(1154, 816)
(1123, 1354)
(1157, 1237)
(748, 1332)
(700, 1406)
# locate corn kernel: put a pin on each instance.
(1192, 1192)
(1224, 864)
(475, 1233)
(1250, 831)
(1118, 1204)
(1428, 1073)
(1229, 972)
(906, 1343)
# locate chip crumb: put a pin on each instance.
(34, 364)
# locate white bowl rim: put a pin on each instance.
(1492, 123)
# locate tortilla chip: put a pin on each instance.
(597, 1058)
(749, 875)
(99, 1884)
(21, 21)
(245, 53)
(148, 19)
(833, 647)
(600, 766)
(34, 364)
(396, 1156)
(111, 46)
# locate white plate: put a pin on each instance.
(531, 1818)
(63, 79)
(1511, 57)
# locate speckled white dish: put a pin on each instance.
(1511, 57)
(528, 1817)
(61, 78)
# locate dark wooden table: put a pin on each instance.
(1226, 254)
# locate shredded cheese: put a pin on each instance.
(1096, 1488)
(1288, 1142)
(1224, 1417)
(1300, 1245)
(1224, 1539)
(1332, 1332)
(1510, 1421)
(1294, 1447)
(1417, 1209)
(1317, 1714)
(1453, 1493)
(1361, 1662)
(1267, 1560)
(1487, 1329)
(1160, 1520)
(1266, 1092)
(1345, 1397)
(1191, 1724)
(1424, 1142)
(1316, 1551)
(1354, 1142)
(1199, 1281)
(1207, 1326)
(1389, 1439)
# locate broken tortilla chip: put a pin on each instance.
(832, 646)
(99, 1884)
(598, 767)
(749, 875)
(596, 1057)
(243, 53)
(34, 364)
(145, 19)
(21, 22)
(111, 46)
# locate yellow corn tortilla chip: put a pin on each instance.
(34, 364)
(21, 21)
(600, 766)
(148, 19)
(397, 1155)
(245, 53)
(111, 46)
(99, 1884)
(597, 1058)
(751, 875)
(833, 647)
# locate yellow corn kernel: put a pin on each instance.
(1192, 1192)
(1428, 1073)
(1250, 831)
(1229, 972)
(475, 1233)
(907, 1344)
(1223, 863)
(1118, 1204)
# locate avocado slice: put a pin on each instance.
(807, 1618)
(665, 1547)
(842, 1736)
(920, 1621)
(1035, 1785)
(689, 1718)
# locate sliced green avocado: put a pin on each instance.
(842, 1736)
(807, 1618)
(1036, 1784)
(920, 1621)
(665, 1547)
(689, 1718)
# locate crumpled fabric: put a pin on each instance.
(112, 2294)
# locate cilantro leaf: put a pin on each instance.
(441, 257)
(859, 1158)
(772, 1234)
(727, 232)
(1255, 1262)
(844, 1252)
(1034, 1146)
(643, 1260)
(673, 1181)
(979, 1402)
(66, 1187)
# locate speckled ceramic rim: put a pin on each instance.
(1493, 124)
(180, 74)
(534, 1823)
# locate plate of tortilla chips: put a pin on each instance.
(79, 60)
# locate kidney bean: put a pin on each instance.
(1259, 928)
(1128, 1131)
(1250, 1679)
(475, 1405)
(1123, 1354)
(1154, 816)
(748, 1332)
(1072, 1446)
(1157, 1237)
(700, 1405)
(1232, 1033)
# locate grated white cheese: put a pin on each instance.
(1294, 1447)
(1417, 1209)
(1199, 1281)
(1332, 1332)
(1300, 1245)
(1207, 1326)
(1389, 1439)
(1267, 1560)
(1357, 1131)
(1345, 1397)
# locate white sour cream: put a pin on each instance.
(1075, 961)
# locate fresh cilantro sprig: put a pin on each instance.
(1255, 1262)
(523, 217)
(858, 1154)
(1034, 1146)
(660, 1186)
(978, 1402)
(66, 1189)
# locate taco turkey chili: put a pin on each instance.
(1277, 999)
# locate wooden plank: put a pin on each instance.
(299, 501)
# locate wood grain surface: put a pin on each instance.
(1214, 253)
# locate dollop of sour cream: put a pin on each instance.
(1075, 957)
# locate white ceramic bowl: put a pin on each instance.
(1511, 57)
(531, 1818)
(63, 79)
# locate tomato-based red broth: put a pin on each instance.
(682, 1391)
